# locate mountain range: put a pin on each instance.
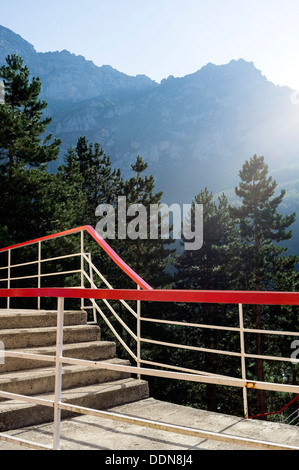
(194, 131)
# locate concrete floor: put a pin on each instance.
(92, 433)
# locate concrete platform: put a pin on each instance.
(91, 433)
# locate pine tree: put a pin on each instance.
(148, 256)
(101, 184)
(260, 260)
(64, 198)
(24, 152)
(261, 226)
(206, 269)
(61, 206)
(133, 243)
(22, 124)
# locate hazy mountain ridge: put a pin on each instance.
(194, 131)
(66, 76)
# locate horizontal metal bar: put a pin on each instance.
(196, 325)
(23, 442)
(271, 332)
(154, 372)
(217, 327)
(61, 272)
(182, 369)
(35, 400)
(215, 379)
(59, 257)
(19, 278)
(22, 355)
(46, 358)
(191, 348)
(30, 263)
(272, 358)
(34, 276)
(219, 351)
(182, 430)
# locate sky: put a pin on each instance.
(159, 38)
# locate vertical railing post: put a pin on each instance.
(243, 361)
(8, 275)
(138, 334)
(58, 373)
(94, 312)
(82, 266)
(39, 271)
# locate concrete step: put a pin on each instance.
(37, 381)
(90, 351)
(17, 414)
(12, 318)
(32, 337)
(35, 332)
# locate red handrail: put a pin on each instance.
(275, 412)
(161, 295)
(242, 297)
(111, 253)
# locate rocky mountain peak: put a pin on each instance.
(69, 77)
(11, 43)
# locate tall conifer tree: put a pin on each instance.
(24, 152)
(148, 256)
(260, 260)
(101, 184)
(205, 269)
(21, 115)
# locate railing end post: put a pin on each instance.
(58, 373)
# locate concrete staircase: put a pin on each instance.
(35, 332)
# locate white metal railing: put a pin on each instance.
(95, 296)
(85, 275)
(58, 405)
(39, 276)
(137, 357)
